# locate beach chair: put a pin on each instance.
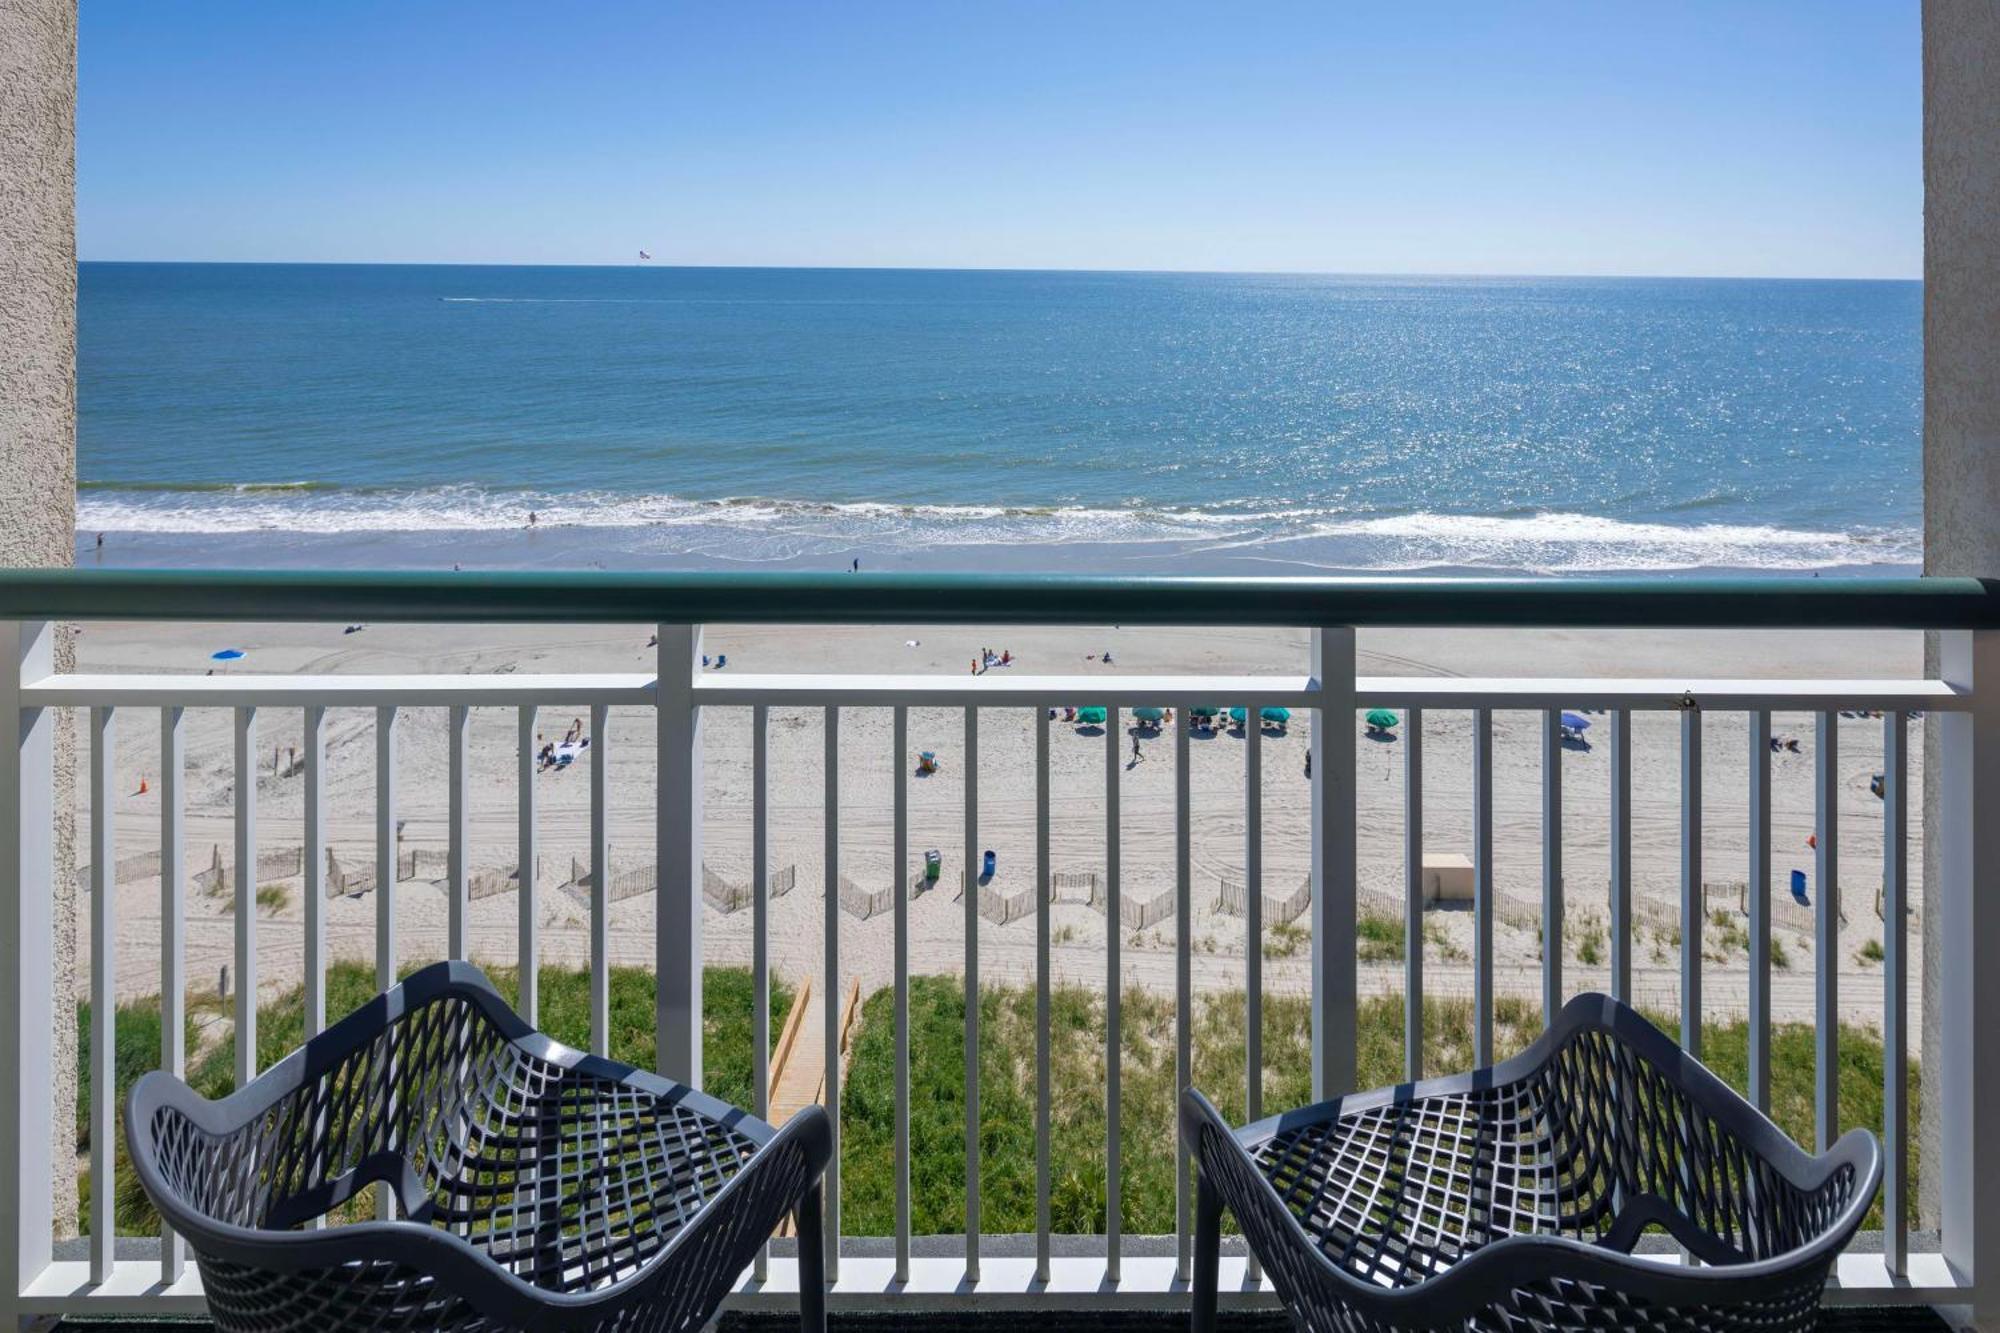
(1511, 1199)
(536, 1187)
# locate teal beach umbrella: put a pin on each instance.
(1381, 717)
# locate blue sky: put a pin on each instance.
(1777, 138)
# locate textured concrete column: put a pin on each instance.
(1961, 380)
(38, 406)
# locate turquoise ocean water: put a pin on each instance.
(664, 417)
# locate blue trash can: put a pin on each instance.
(992, 862)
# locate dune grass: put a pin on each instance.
(565, 1015)
(1147, 1132)
(1007, 1143)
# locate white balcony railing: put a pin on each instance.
(41, 1277)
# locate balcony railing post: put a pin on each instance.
(1333, 864)
(27, 946)
(677, 849)
(1968, 984)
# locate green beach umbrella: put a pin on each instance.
(1381, 717)
(1203, 710)
(1275, 714)
(1238, 714)
(1090, 717)
(1149, 714)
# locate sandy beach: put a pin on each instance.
(1007, 807)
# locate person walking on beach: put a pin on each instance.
(1136, 755)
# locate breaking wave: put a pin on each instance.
(758, 528)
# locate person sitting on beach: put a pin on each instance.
(1006, 658)
(547, 755)
(1107, 657)
(575, 730)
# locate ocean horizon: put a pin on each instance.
(656, 417)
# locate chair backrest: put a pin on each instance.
(397, 1098)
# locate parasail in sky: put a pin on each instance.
(644, 255)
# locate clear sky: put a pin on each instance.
(1710, 137)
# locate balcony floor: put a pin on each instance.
(1845, 1319)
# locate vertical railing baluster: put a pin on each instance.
(1693, 908)
(971, 900)
(1413, 894)
(1253, 929)
(600, 879)
(457, 890)
(385, 852)
(1043, 1128)
(760, 931)
(1482, 887)
(528, 921)
(246, 896)
(385, 879)
(1758, 904)
(900, 856)
(1253, 922)
(678, 869)
(173, 927)
(1114, 933)
(1826, 930)
(1552, 867)
(1333, 862)
(314, 738)
(1184, 987)
(835, 994)
(1621, 855)
(103, 994)
(1895, 994)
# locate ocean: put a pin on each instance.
(659, 417)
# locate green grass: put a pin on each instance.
(273, 898)
(1378, 939)
(1871, 952)
(1147, 1134)
(565, 1015)
(1007, 1086)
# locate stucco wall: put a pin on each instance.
(1961, 368)
(38, 399)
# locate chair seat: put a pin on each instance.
(1516, 1195)
(537, 1187)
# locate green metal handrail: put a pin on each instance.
(593, 597)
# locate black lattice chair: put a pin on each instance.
(537, 1187)
(1509, 1199)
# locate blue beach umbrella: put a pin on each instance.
(1576, 721)
(226, 655)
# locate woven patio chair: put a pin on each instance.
(1509, 1199)
(536, 1187)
